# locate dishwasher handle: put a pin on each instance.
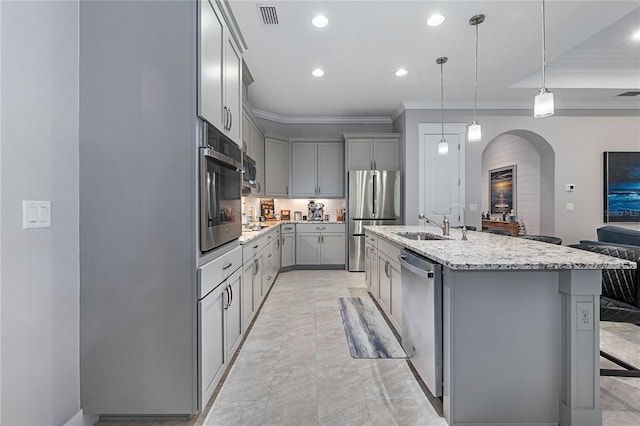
(405, 263)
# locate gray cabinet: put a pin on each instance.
(371, 263)
(390, 282)
(372, 151)
(317, 169)
(253, 137)
(219, 72)
(320, 244)
(211, 336)
(288, 246)
(276, 159)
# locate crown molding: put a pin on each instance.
(319, 119)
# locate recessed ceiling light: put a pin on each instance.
(317, 72)
(435, 20)
(401, 72)
(320, 21)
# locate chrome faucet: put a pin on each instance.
(444, 226)
(464, 228)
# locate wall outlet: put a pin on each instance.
(473, 207)
(570, 187)
(585, 315)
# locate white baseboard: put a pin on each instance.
(81, 419)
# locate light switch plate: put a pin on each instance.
(36, 214)
(473, 207)
(569, 207)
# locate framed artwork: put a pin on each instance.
(622, 186)
(502, 190)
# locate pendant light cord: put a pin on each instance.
(442, 98)
(544, 62)
(475, 97)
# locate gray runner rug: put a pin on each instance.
(368, 334)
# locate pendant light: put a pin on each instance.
(543, 103)
(475, 131)
(443, 145)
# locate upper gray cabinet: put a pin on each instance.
(276, 172)
(372, 152)
(253, 137)
(317, 169)
(219, 72)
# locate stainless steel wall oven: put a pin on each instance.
(220, 190)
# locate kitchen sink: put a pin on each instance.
(422, 236)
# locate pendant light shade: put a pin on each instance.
(443, 145)
(543, 102)
(475, 130)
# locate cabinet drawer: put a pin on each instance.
(320, 227)
(391, 250)
(288, 228)
(216, 271)
(252, 247)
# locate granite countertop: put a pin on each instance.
(485, 251)
(249, 235)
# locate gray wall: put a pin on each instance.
(40, 290)
(577, 139)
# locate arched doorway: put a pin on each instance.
(535, 181)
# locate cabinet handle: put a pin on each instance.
(226, 290)
(386, 269)
(231, 291)
(318, 190)
(277, 244)
(319, 239)
(287, 189)
(366, 252)
(225, 120)
(228, 266)
(259, 186)
(269, 255)
(256, 246)
(320, 228)
(257, 266)
(230, 119)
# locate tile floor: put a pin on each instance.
(294, 368)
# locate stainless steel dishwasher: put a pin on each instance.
(422, 317)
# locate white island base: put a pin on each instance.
(521, 347)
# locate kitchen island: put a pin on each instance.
(520, 327)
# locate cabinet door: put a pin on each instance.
(233, 90)
(257, 282)
(372, 265)
(210, 71)
(212, 352)
(384, 282)
(332, 249)
(246, 134)
(385, 154)
(307, 248)
(247, 292)
(396, 296)
(257, 139)
(276, 167)
(233, 317)
(304, 169)
(288, 250)
(330, 169)
(269, 266)
(360, 154)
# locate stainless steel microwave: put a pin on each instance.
(220, 190)
(249, 175)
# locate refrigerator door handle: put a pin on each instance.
(374, 179)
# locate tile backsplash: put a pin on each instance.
(297, 204)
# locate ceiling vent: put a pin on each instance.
(269, 15)
(631, 93)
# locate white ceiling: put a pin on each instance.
(591, 55)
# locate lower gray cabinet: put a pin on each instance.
(320, 244)
(288, 246)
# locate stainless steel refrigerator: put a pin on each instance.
(374, 199)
